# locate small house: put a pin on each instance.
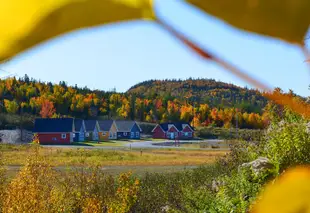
(79, 130)
(91, 130)
(127, 129)
(107, 130)
(54, 130)
(173, 130)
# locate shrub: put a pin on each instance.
(288, 144)
(30, 190)
(222, 133)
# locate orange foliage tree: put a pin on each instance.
(48, 109)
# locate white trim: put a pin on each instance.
(188, 127)
(63, 136)
(114, 121)
(137, 125)
(156, 127)
(73, 125)
(174, 127)
(83, 124)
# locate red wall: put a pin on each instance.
(159, 133)
(48, 138)
(172, 129)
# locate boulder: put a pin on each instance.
(259, 165)
(216, 184)
(14, 136)
(165, 208)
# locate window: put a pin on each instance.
(87, 134)
(125, 133)
(132, 134)
(54, 139)
(104, 133)
(73, 135)
(63, 136)
(186, 134)
(137, 134)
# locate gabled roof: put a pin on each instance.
(53, 125)
(90, 125)
(78, 123)
(124, 126)
(178, 125)
(105, 125)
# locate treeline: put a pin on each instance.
(238, 106)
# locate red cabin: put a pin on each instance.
(173, 130)
(54, 130)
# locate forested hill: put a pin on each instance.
(208, 102)
(214, 93)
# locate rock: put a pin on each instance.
(14, 136)
(216, 184)
(165, 208)
(259, 165)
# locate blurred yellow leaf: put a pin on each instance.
(289, 194)
(25, 23)
(285, 19)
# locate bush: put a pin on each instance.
(39, 188)
(30, 190)
(222, 133)
(288, 144)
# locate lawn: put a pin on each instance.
(101, 143)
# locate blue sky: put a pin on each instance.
(122, 55)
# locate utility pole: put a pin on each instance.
(194, 113)
(21, 123)
(236, 123)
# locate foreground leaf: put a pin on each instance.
(288, 20)
(300, 107)
(27, 23)
(289, 194)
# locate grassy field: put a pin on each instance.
(17, 155)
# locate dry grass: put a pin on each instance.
(73, 156)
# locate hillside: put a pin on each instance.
(214, 93)
(209, 103)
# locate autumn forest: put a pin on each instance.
(202, 102)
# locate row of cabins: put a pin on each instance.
(67, 130)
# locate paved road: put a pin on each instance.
(152, 144)
(144, 145)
